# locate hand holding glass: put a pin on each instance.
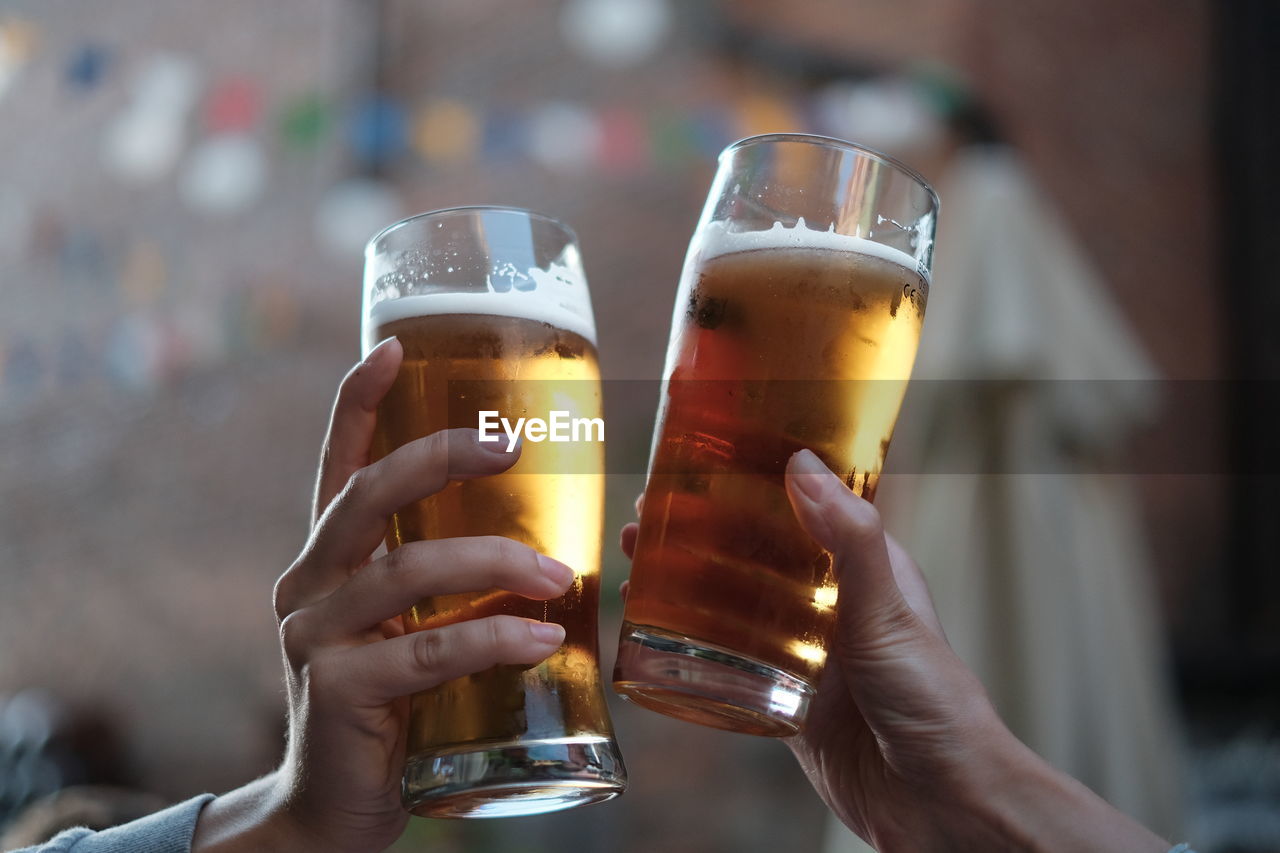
(795, 326)
(492, 310)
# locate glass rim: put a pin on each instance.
(470, 208)
(836, 143)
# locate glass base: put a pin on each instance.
(688, 680)
(514, 779)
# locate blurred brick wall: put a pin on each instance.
(144, 518)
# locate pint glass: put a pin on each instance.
(795, 326)
(492, 310)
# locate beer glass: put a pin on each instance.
(795, 326)
(492, 310)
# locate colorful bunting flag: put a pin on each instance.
(761, 113)
(88, 66)
(17, 44)
(305, 121)
(378, 130)
(232, 106)
(446, 132)
(623, 145)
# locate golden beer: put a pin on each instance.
(456, 366)
(512, 739)
(784, 338)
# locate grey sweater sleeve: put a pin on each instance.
(167, 831)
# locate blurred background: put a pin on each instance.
(185, 191)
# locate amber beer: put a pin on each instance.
(512, 739)
(785, 337)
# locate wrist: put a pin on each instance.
(1025, 804)
(252, 817)
(1001, 796)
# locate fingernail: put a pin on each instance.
(555, 570)
(378, 351)
(547, 632)
(809, 474)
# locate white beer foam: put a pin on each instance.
(717, 239)
(558, 297)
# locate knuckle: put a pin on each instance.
(877, 631)
(429, 651)
(458, 455)
(359, 484)
(511, 553)
(899, 618)
(434, 449)
(862, 519)
(293, 637)
(498, 633)
(892, 621)
(427, 456)
(282, 597)
(319, 676)
(397, 563)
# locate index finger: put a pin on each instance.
(346, 445)
(355, 522)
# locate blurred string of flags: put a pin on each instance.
(215, 144)
(237, 130)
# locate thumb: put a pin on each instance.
(873, 618)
